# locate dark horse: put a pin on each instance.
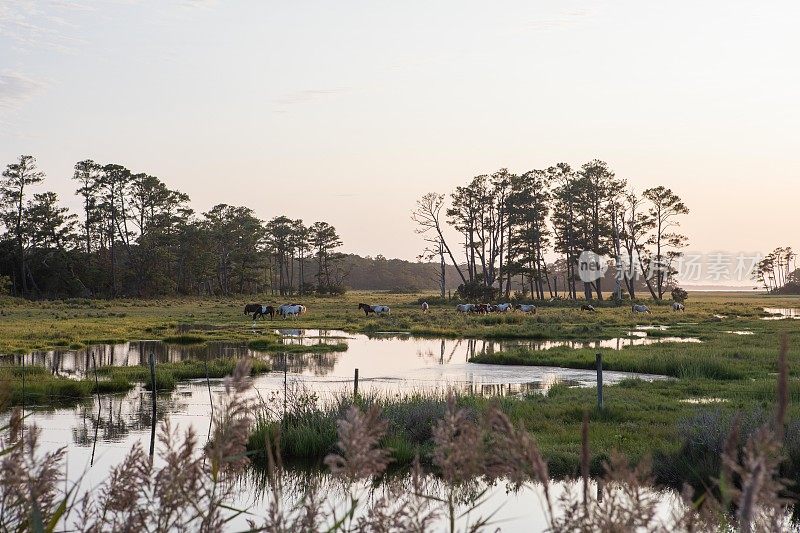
(259, 310)
(367, 309)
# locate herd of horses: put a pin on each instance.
(295, 310)
(285, 310)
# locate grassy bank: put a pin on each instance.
(27, 326)
(41, 387)
(640, 419)
(35, 385)
(168, 374)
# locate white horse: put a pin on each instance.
(465, 308)
(293, 310)
(677, 306)
(637, 308)
(424, 307)
(377, 309)
(527, 308)
(504, 308)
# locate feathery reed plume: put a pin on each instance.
(29, 484)
(760, 501)
(729, 460)
(359, 436)
(187, 491)
(227, 448)
(458, 445)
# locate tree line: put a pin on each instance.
(135, 236)
(510, 224)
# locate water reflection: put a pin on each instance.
(782, 313)
(112, 418)
(508, 507)
(380, 354)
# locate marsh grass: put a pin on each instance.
(267, 345)
(28, 325)
(679, 365)
(168, 374)
(41, 387)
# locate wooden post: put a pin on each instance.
(153, 391)
(355, 385)
(210, 400)
(208, 384)
(599, 365)
(285, 383)
(96, 383)
(22, 424)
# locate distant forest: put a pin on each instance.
(136, 237)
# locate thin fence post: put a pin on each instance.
(153, 395)
(599, 366)
(96, 383)
(285, 386)
(210, 399)
(355, 385)
(22, 425)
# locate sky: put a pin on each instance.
(349, 111)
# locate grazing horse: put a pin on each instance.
(293, 310)
(677, 306)
(482, 309)
(527, 308)
(465, 308)
(259, 310)
(588, 307)
(424, 307)
(377, 309)
(503, 308)
(638, 308)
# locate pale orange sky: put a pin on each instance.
(349, 111)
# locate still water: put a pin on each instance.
(99, 432)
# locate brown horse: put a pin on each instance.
(259, 310)
(482, 309)
(587, 307)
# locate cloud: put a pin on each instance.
(16, 89)
(35, 24)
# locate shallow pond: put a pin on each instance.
(99, 432)
(782, 313)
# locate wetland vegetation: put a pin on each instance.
(640, 418)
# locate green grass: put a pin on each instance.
(631, 359)
(43, 388)
(185, 339)
(28, 326)
(262, 345)
(168, 374)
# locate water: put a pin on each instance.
(387, 362)
(98, 433)
(782, 313)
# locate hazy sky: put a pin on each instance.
(348, 111)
